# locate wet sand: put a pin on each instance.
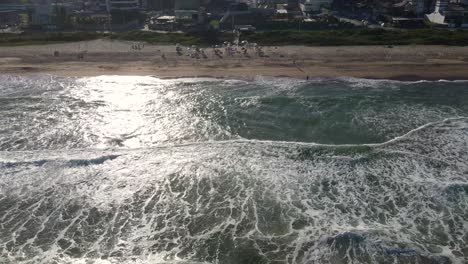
(104, 57)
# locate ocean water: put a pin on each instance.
(126, 169)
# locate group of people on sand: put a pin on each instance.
(138, 46)
(226, 49)
(192, 52)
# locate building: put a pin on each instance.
(41, 13)
(251, 16)
(407, 22)
(441, 6)
(456, 16)
(449, 14)
(292, 5)
(123, 4)
(418, 7)
(94, 5)
(187, 4)
(10, 14)
(165, 23)
(314, 6)
(9, 18)
(160, 4)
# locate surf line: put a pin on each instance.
(310, 144)
(420, 128)
(245, 141)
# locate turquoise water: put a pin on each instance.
(117, 169)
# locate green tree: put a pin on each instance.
(214, 24)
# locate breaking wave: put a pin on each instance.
(143, 170)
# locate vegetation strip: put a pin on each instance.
(278, 38)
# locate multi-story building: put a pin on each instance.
(312, 6)
(441, 6)
(160, 4)
(418, 7)
(9, 18)
(449, 13)
(123, 4)
(187, 4)
(41, 12)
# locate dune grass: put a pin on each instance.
(362, 37)
(277, 38)
(9, 39)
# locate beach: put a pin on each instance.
(106, 57)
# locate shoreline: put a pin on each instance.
(104, 57)
(243, 73)
(407, 79)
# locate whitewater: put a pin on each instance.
(138, 169)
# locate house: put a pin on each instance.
(123, 4)
(449, 14)
(418, 7)
(457, 16)
(407, 22)
(165, 23)
(9, 18)
(186, 4)
(315, 6)
(160, 4)
(41, 13)
(251, 16)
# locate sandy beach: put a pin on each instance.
(105, 57)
